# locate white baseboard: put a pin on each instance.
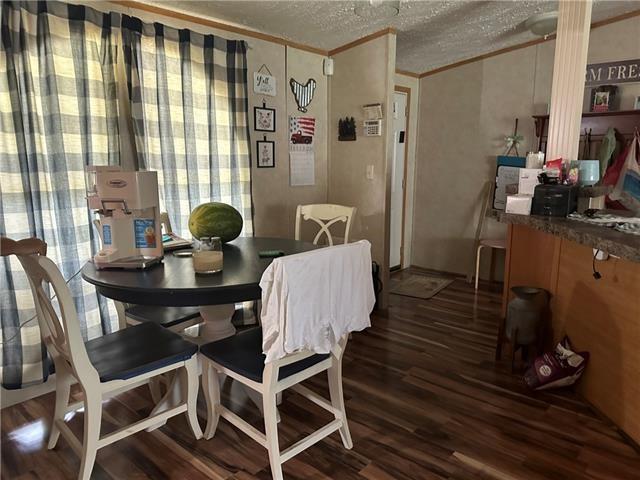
(12, 397)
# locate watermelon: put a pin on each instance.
(215, 219)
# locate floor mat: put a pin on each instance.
(420, 286)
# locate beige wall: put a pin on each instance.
(464, 115)
(618, 41)
(412, 134)
(363, 75)
(274, 200)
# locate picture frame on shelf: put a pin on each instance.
(605, 98)
(266, 153)
(264, 119)
(601, 102)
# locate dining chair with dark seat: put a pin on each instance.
(240, 357)
(315, 343)
(242, 353)
(104, 366)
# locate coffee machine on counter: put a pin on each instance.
(129, 217)
(552, 200)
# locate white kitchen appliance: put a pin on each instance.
(128, 207)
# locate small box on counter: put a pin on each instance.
(528, 180)
(506, 178)
(519, 204)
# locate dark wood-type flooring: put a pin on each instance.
(424, 399)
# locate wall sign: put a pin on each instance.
(263, 82)
(624, 71)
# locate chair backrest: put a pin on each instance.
(311, 300)
(325, 215)
(60, 333)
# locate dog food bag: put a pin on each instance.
(559, 368)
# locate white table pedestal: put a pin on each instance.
(217, 322)
(216, 326)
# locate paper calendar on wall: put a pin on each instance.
(301, 154)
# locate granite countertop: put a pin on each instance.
(623, 245)
(595, 191)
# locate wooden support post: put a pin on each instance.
(567, 90)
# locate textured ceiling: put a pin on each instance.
(431, 33)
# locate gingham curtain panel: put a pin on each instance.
(58, 113)
(189, 105)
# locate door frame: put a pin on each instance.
(407, 91)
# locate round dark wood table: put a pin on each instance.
(173, 283)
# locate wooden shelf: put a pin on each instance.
(600, 114)
(625, 121)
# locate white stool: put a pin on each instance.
(497, 243)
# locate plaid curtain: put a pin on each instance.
(58, 113)
(189, 105)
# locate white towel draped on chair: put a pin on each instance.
(312, 299)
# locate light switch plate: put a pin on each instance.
(369, 172)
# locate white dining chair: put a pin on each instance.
(176, 319)
(241, 357)
(324, 215)
(481, 243)
(493, 244)
(104, 366)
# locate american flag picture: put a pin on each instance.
(302, 129)
(304, 125)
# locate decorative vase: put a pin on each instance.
(524, 315)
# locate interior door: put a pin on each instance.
(397, 179)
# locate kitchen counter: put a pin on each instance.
(599, 313)
(623, 245)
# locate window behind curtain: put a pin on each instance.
(58, 113)
(188, 96)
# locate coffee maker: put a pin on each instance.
(129, 217)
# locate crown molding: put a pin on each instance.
(407, 73)
(216, 24)
(362, 40)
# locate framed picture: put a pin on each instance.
(266, 153)
(601, 102)
(264, 119)
(636, 105)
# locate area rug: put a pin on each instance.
(420, 286)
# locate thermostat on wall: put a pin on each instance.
(372, 128)
(373, 111)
